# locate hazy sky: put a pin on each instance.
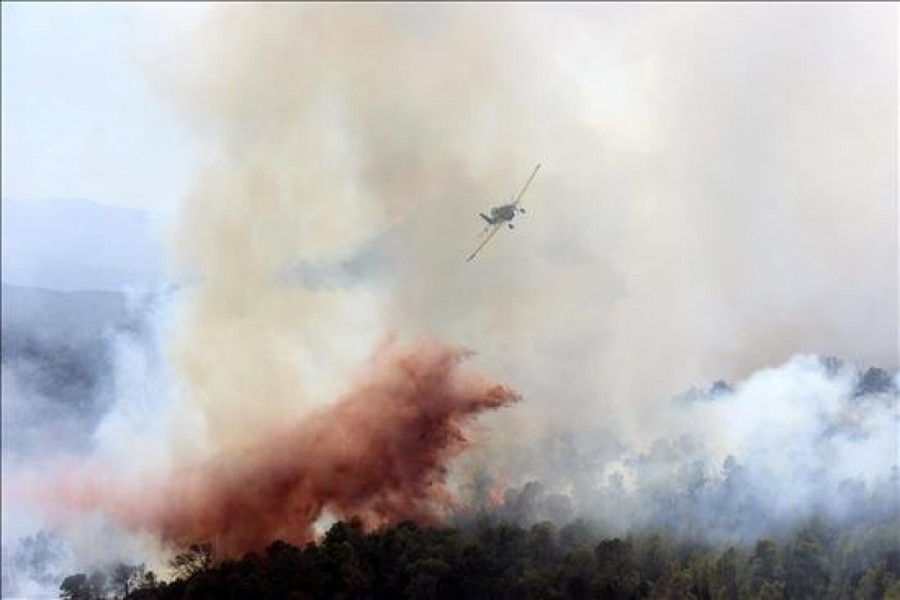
(81, 118)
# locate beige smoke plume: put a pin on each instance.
(717, 194)
(326, 123)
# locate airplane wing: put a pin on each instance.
(525, 187)
(484, 242)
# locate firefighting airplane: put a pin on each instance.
(502, 215)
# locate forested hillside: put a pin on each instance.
(501, 560)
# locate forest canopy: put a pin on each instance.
(498, 559)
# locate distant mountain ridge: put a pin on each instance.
(79, 245)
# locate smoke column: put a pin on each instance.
(717, 197)
(718, 192)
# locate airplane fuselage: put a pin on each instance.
(507, 212)
(501, 214)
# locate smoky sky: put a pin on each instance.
(717, 192)
(717, 196)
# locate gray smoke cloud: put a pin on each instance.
(84, 380)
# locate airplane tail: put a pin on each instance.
(487, 218)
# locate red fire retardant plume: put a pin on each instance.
(380, 454)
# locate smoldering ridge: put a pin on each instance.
(812, 438)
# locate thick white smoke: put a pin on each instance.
(130, 439)
(811, 437)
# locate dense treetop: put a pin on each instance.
(498, 560)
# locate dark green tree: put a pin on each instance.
(764, 567)
(125, 577)
(807, 568)
(197, 559)
(75, 587)
(617, 575)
